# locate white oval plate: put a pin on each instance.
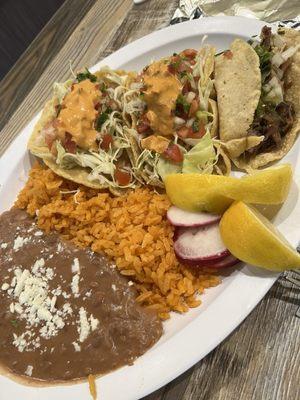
(187, 338)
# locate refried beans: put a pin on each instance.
(65, 312)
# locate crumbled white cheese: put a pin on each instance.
(130, 283)
(75, 266)
(40, 263)
(75, 285)
(29, 370)
(94, 322)
(38, 233)
(114, 287)
(84, 326)
(3, 245)
(67, 308)
(76, 346)
(5, 286)
(36, 304)
(19, 242)
(59, 247)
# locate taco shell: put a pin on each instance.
(238, 86)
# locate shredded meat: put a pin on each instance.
(265, 35)
(273, 123)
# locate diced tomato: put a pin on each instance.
(187, 132)
(192, 62)
(69, 144)
(143, 125)
(186, 87)
(190, 53)
(174, 64)
(106, 141)
(184, 67)
(199, 134)
(184, 132)
(228, 54)
(172, 69)
(173, 153)
(122, 177)
(194, 107)
(97, 105)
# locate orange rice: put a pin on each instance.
(132, 230)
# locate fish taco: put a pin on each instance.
(257, 85)
(84, 132)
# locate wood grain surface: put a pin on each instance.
(260, 360)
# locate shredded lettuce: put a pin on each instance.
(201, 158)
(61, 89)
(165, 167)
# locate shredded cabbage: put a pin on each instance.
(201, 158)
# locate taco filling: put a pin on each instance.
(274, 116)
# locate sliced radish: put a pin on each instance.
(178, 217)
(200, 244)
(225, 262)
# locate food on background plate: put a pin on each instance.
(214, 194)
(257, 85)
(66, 312)
(252, 238)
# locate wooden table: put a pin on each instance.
(260, 360)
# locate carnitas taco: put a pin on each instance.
(84, 133)
(257, 85)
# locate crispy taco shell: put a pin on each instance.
(238, 86)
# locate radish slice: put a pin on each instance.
(226, 262)
(178, 217)
(200, 244)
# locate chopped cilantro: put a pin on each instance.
(181, 100)
(265, 57)
(183, 74)
(100, 120)
(81, 76)
(103, 87)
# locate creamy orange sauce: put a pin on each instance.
(78, 114)
(162, 90)
(155, 143)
